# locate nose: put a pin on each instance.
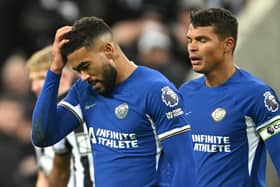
(84, 75)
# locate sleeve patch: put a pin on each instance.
(270, 102)
(169, 97)
(270, 130)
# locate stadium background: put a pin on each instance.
(142, 26)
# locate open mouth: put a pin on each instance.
(195, 60)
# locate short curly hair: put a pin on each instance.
(83, 34)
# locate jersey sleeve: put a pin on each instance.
(165, 107)
(50, 123)
(177, 164)
(72, 102)
(266, 113)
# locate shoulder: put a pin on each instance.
(151, 78)
(154, 85)
(150, 74)
(251, 82)
(192, 84)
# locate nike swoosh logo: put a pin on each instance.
(87, 107)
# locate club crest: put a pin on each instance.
(270, 102)
(121, 111)
(218, 114)
(169, 97)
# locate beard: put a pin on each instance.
(109, 80)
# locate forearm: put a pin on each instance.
(42, 180)
(178, 151)
(60, 173)
(44, 114)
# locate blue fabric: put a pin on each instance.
(47, 116)
(226, 124)
(123, 128)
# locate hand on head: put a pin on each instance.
(58, 61)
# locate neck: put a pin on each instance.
(124, 67)
(220, 75)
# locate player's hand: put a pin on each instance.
(58, 63)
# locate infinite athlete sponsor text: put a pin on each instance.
(113, 139)
(210, 143)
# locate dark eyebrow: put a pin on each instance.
(199, 37)
(81, 66)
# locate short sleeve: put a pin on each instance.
(266, 113)
(165, 107)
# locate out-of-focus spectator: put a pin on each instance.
(148, 40)
(178, 30)
(14, 76)
(127, 32)
(15, 81)
(17, 155)
(123, 10)
(154, 50)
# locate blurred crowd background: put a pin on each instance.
(151, 32)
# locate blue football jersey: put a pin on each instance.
(126, 128)
(230, 124)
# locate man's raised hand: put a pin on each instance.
(58, 61)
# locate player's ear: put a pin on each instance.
(228, 44)
(108, 50)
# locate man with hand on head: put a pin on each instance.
(133, 113)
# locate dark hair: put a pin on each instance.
(83, 34)
(224, 22)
